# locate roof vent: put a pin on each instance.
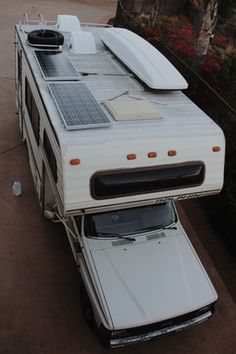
(68, 23)
(82, 43)
(132, 109)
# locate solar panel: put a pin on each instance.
(77, 106)
(56, 65)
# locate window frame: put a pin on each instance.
(51, 157)
(19, 66)
(32, 109)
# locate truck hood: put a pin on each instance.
(150, 281)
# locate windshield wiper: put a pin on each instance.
(123, 237)
(158, 229)
(169, 228)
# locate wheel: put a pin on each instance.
(86, 306)
(45, 37)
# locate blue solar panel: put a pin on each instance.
(77, 106)
(56, 65)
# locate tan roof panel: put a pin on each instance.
(132, 109)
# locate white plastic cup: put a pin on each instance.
(16, 188)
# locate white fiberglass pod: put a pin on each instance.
(68, 23)
(143, 59)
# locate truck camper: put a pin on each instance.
(113, 142)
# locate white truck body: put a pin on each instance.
(140, 306)
(159, 147)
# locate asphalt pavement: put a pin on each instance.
(39, 283)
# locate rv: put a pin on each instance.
(113, 142)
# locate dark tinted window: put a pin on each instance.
(28, 97)
(120, 183)
(50, 156)
(19, 66)
(35, 119)
(32, 110)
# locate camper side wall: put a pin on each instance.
(43, 148)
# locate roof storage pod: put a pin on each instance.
(144, 60)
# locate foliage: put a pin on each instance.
(220, 41)
(226, 7)
(228, 77)
(211, 71)
(175, 32)
(219, 68)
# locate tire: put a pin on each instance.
(45, 37)
(86, 307)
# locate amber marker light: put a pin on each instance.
(74, 162)
(131, 156)
(216, 148)
(152, 154)
(172, 153)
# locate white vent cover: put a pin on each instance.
(143, 59)
(82, 43)
(68, 23)
(132, 109)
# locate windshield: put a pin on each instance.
(129, 221)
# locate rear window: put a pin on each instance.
(128, 182)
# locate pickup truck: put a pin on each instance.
(142, 278)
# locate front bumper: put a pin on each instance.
(151, 332)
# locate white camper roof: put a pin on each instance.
(108, 80)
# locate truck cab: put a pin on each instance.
(141, 276)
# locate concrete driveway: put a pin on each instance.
(39, 284)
